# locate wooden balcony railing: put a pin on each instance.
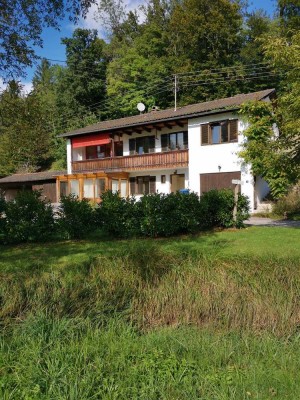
(170, 159)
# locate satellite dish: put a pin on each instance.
(141, 107)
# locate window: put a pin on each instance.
(88, 188)
(74, 187)
(163, 179)
(142, 185)
(94, 152)
(142, 145)
(219, 132)
(114, 185)
(63, 189)
(174, 141)
(99, 187)
(118, 149)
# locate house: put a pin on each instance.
(43, 181)
(193, 147)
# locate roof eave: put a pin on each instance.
(157, 121)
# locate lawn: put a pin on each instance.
(214, 316)
(254, 241)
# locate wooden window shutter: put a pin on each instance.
(233, 130)
(152, 184)
(132, 182)
(204, 134)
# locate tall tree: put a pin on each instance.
(81, 85)
(24, 131)
(205, 35)
(21, 24)
(140, 66)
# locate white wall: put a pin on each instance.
(163, 187)
(153, 132)
(217, 157)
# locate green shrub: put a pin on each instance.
(289, 205)
(76, 217)
(169, 214)
(117, 215)
(216, 209)
(28, 218)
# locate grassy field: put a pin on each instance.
(213, 316)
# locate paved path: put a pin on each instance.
(271, 222)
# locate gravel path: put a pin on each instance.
(285, 223)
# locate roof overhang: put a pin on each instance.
(181, 115)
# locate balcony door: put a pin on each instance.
(177, 182)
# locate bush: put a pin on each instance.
(153, 215)
(289, 205)
(216, 209)
(117, 215)
(28, 218)
(76, 217)
(169, 214)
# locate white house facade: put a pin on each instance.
(194, 147)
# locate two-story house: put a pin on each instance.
(193, 147)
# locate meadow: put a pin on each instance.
(209, 316)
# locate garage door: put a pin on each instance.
(219, 180)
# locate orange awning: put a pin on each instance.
(91, 140)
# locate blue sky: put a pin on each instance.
(53, 49)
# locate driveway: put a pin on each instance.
(285, 223)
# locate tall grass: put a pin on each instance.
(149, 320)
(152, 288)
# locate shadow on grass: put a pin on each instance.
(146, 254)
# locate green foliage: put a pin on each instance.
(28, 218)
(22, 22)
(75, 217)
(263, 149)
(163, 215)
(25, 133)
(288, 205)
(216, 209)
(117, 215)
(167, 215)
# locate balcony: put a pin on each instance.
(165, 160)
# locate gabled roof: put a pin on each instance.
(32, 177)
(193, 110)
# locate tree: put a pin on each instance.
(81, 86)
(205, 35)
(289, 15)
(24, 132)
(21, 24)
(140, 64)
(285, 56)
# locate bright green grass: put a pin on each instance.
(209, 317)
(66, 359)
(254, 241)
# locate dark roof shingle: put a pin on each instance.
(32, 177)
(192, 110)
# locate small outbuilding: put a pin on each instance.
(44, 181)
